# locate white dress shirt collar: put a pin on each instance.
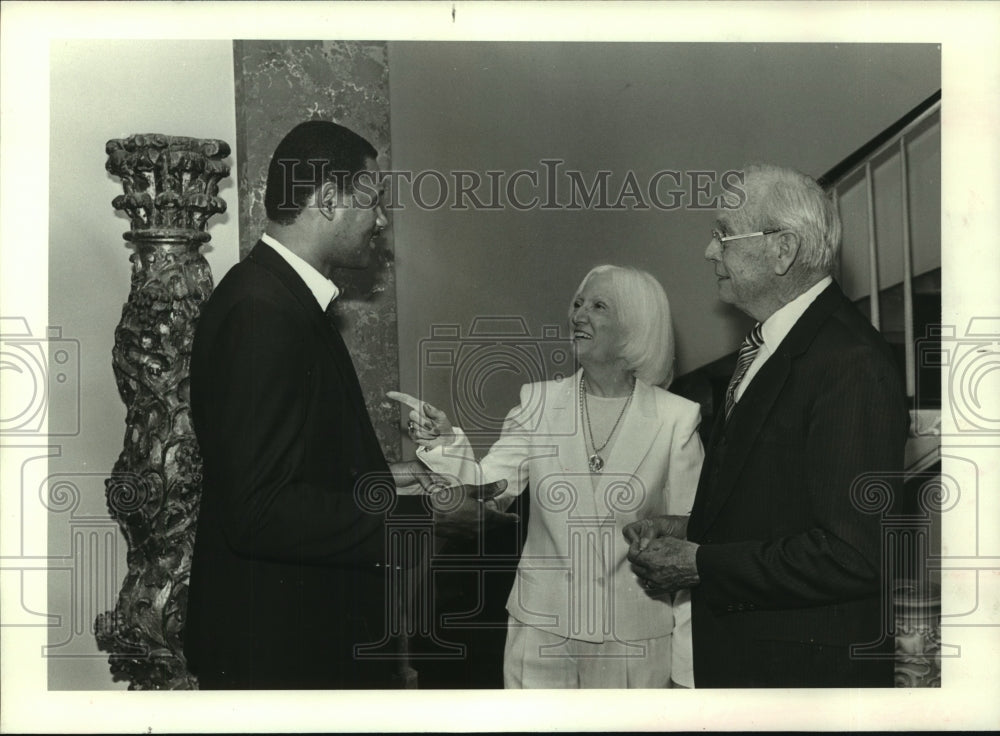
(777, 326)
(781, 322)
(321, 287)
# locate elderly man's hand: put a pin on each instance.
(642, 532)
(666, 564)
(463, 512)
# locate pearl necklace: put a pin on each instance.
(595, 461)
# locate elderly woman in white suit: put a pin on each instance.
(601, 449)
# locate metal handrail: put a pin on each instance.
(879, 144)
(895, 136)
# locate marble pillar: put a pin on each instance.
(280, 84)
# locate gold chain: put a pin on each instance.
(596, 461)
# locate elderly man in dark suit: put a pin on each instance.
(783, 562)
(289, 570)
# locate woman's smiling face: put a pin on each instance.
(594, 322)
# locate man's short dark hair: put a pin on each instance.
(312, 153)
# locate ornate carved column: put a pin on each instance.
(171, 187)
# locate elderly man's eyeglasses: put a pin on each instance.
(723, 239)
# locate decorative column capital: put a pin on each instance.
(171, 184)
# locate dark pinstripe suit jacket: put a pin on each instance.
(791, 560)
(284, 580)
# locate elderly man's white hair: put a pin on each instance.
(779, 197)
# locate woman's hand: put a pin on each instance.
(428, 426)
(431, 427)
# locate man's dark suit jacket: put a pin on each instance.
(790, 562)
(287, 570)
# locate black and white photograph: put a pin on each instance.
(460, 348)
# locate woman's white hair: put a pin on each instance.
(643, 313)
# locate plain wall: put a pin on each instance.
(102, 90)
(625, 106)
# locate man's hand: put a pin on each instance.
(460, 511)
(409, 475)
(463, 512)
(665, 565)
(640, 533)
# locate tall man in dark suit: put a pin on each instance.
(289, 566)
(783, 561)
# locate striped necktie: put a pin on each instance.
(748, 351)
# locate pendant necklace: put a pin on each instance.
(595, 461)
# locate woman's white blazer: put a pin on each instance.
(573, 578)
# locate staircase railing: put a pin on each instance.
(892, 141)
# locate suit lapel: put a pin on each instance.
(755, 406)
(267, 258)
(640, 427)
(563, 415)
(744, 426)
